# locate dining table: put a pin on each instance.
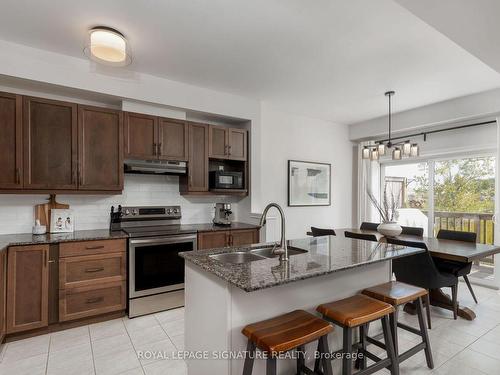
(460, 251)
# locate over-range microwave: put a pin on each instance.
(226, 180)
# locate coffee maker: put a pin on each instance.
(222, 214)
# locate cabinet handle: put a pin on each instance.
(159, 149)
(225, 150)
(154, 148)
(92, 270)
(18, 176)
(45, 259)
(94, 300)
(94, 247)
(229, 150)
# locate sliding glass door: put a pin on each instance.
(464, 200)
(454, 194)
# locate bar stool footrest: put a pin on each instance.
(410, 329)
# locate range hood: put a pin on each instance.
(155, 166)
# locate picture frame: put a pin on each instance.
(61, 220)
(309, 183)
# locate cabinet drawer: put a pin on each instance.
(91, 269)
(76, 303)
(68, 249)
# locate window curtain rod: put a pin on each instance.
(424, 134)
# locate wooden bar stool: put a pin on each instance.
(356, 312)
(284, 333)
(397, 293)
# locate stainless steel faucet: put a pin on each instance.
(282, 251)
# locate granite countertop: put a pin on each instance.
(7, 240)
(324, 255)
(210, 227)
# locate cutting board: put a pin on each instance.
(42, 211)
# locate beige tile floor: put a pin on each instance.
(459, 347)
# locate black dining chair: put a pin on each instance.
(368, 226)
(420, 270)
(317, 232)
(361, 236)
(413, 231)
(459, 269)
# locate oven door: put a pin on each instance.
(155, 265)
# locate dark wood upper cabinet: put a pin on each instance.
(217, 142)
(197, 178)
(11, 141)
(50, 144)
(140, 136)
(100, 140)
(227, 143)
(28, 286)
(150, 137)
(172, 140)
(237, 149)
(3, 294)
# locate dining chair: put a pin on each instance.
(368, 226)
(317, 232)
(413, 231)
(420, 270)
(361, 236)
(459, 269)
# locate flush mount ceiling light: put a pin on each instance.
(107, 46)
(399, 149)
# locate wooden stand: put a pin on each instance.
(42, 211)
(440, 299)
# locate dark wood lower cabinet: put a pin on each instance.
(224, 238)
(90, 280)
(210, 240)
(244, 237)
(27, 287)
(86, 301)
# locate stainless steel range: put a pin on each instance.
(156, 271)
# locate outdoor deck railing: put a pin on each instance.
(480, 223)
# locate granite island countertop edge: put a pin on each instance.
(199, 258)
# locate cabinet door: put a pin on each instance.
(50, 144)
(218, 142)
(210, 240)
(237, 148)
(27, 287)
(198, 157)
(244, 237)
(3, 293)
(100, 139)
(140, 136)
(11, 141)
(172, 140)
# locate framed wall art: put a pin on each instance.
(309, 183)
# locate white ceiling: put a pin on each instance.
(329, 59)
(474, 25)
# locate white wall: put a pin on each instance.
(460, 110)
(286, 136)
(92, 211)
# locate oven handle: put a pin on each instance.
(160, 240)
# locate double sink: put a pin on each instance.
(239, 257)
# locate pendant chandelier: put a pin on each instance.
(381, 148)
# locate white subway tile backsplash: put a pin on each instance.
(92, 211)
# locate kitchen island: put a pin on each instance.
(222, 296)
